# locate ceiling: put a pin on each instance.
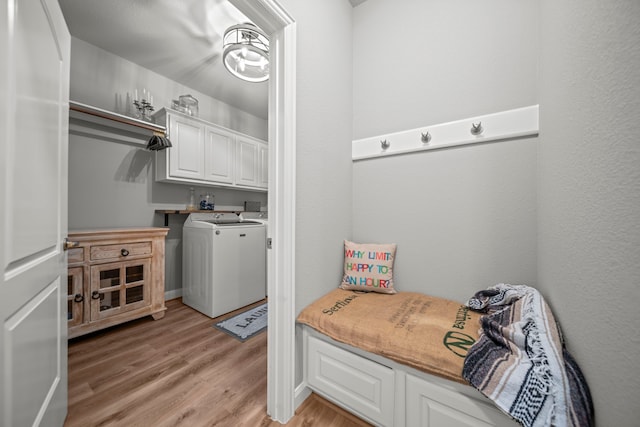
(178, 39)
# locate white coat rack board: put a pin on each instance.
(505, 125)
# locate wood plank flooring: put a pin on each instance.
(178, 371)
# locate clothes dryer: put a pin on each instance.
(261, 216)
(223, 262)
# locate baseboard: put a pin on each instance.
(176, 293)
(300, 395)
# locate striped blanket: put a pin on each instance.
(520, 361)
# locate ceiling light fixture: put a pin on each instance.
(246, 52)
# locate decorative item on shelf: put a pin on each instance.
(189, 105)
(144, 105)
(175, 105)
(206, 202)
(251, 206)
(246, 52)
(191, 205)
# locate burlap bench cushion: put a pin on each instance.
(427, 333)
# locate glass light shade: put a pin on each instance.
(246, 52)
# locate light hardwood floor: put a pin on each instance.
(178, 371)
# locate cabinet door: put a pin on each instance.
(358, 384)
(75, 296)
(218, 155)
(246, 161)
(185, 155)
(430, 405)
(263, 165)
(120, 287)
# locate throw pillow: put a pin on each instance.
(369, 267)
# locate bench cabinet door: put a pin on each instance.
(353, 382)
(430, 405)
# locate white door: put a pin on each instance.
(34, 88)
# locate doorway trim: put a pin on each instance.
(274, 20)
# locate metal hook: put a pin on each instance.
(476, 129)
(385, 144)
(425, 137)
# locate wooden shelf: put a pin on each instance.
(115, 117)
(130, 130)
(167, 212)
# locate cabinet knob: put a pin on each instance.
(124, 252)
(78, 298)
(95, 295)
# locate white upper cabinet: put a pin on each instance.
(252, 156)
(207, 154)
(218, 155)
(185, 157)
(263, 165)
(246, 161)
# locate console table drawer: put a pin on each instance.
(119, 251)
(75, 255)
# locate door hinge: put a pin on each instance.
(269, 243)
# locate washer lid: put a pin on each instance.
(236, 224)
(214, 217)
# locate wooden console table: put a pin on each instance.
(115, 275)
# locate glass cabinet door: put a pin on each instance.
(75, 296)
(120, 286)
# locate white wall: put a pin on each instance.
(103, 80)
(323, 196)
(589, 193)
(111, 183)
(582, 187)
(323, 109)
(419, 62)
(463, 218)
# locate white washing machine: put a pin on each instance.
(223, 262)
(262, 217)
